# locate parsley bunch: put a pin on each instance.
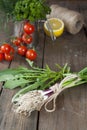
(31, 10)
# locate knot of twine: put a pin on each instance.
(57, 89)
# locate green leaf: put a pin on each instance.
(48, 69)
(6, 77)
(8, 71)
(83, 71)
(11, 84)
(30, 62)
(13, 71)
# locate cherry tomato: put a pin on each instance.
(22, 50)
(5, 48)
(1, 56)
(0, 50)
(12, 51)
(27, 38)
(29, 28)
(31, 54)
(9, 57)
(17, 41)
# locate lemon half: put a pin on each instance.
(56, 25)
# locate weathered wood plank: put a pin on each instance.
(8, 119)
(6, 28)
(84, 13)
(71, 108)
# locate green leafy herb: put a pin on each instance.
(40, 78)
(31, 10)
(33, 78)
(74, 79)
(68, 80)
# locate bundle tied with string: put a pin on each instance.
(73, 20)
(34, 100)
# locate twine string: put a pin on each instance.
(57, 89)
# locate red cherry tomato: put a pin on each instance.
(1, 56)
(28, 28)
(0, 50)
(17, 41)
(22, 50)
(27, 38)
(5, 48)
(31, 54)
(12, 51)
(9, 57)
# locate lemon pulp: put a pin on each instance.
(57, 26)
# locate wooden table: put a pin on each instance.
(71, 110)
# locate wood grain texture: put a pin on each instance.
(71, 109)
(6, 28)
(84, 13)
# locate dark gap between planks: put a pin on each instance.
(38, 113)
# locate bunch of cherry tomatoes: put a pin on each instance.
(7, 51)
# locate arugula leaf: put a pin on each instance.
(11, 84)
(14, 71)
(36, 77)
(6, 77)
